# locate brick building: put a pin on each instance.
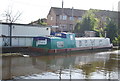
(66, 18)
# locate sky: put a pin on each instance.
(32, 10)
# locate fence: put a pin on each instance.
(16, 41)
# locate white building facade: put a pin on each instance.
(21, 34)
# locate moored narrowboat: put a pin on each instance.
(65, 42)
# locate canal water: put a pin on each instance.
(80, 65)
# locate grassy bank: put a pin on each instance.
(11, 54)
(116, 47)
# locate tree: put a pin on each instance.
(11, 18)
(116, 41)
(40, 22)
(111, 29)
(89, 22)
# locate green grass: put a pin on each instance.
(10, 54)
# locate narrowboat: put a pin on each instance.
(66, 42)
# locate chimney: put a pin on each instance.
(62, 4)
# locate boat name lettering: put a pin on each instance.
(60, 44)
(41, 42)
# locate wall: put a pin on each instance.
(1, 42)
(53, 21)
(30, 30)
(22, 41)
(22, 35)
(24, 30)
(0, 29)
(0, 35)
(5, 29)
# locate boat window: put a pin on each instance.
(71, 37)
(58, 34)
(80, 43)
(100, 42)
(92, 42)
(85, 42)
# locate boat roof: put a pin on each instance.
(88, 38)
(54, 37)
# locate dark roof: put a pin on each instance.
(111, 14)
(68, 11)
(80, 12)
(4, 23)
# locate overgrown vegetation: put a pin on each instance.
(93, 22)
(116, 41)
(111, 29)
(42, 22)
(89, 22)
(39, 22)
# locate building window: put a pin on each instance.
(71, 26)
(60, 17)
(71, 18)
(79, 18)
(51, 18)
(64, 25)
(63, 17)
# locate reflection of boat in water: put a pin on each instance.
(65, 42)
(21, 66)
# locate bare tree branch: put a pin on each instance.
(15, 18)
(10, 17)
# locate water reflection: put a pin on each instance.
(102, 65)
